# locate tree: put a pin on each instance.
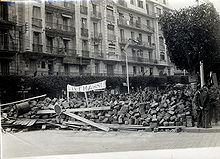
(192, 35)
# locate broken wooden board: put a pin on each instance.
(74, 110)
(126, 127)
(102, 127)
(32, 122)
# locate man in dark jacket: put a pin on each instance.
(205, 107)
(197, 112)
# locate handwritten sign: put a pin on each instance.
(87, 88)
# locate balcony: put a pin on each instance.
(37, 48)
(97, 55)
(83, 10)
(111, 37)
(122, 3)
(60, 27)
(84, 32)
(122, 22)
(37, 22)
(96, 36)
(137, 59)
(110, 18)
(96, 15)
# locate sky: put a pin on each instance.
(177, 4)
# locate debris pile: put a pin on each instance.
(142, 110)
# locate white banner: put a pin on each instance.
(87, 88)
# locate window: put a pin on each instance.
(140, 3)
(96, 48)
(150, 55)
(148, 22)
(109, 12)
(133, 52)
(149, 40)
(122, 34)
(49, 44)
(95, 29)
(151, 71)
(43, 64)
(142, 69)
(84, 44)
(132, 2)
(147, 8)
(161, 42)
(132, 35)
(94, 9)
(3, 11)
(162, 56)
(3, 40)
(159, 12)
(84, 23)
(139, 19)
(96, 67)
(36, 38)
(123, 69)
(66, 68)
(139, 38)
(36, 12)
(134, 70)
(66, 45)
(110, 29)
(131, 19)
(121, 16)
(49, 17)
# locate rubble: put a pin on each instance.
(155, 110)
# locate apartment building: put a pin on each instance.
(88, 38)
(9, 39)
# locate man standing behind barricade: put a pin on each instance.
(214, 99)
(205, 107)
(197, 112)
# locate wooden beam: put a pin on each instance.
(74, 110)
(24, 100)
(102, 127)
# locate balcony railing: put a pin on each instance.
(138, 25)
(84, 32)
(136, 43)
(97, 55)
(37, 48)
(50, 25)
(96, 35)
(111, 37)
(83, 9)
(96, 15)
(137, 59)
(37, 22)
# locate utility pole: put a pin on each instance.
(126, 61)
(201, 65)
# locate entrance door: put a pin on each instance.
(33, 66)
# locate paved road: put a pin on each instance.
(58, 142)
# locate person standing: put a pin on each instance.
(196, 110)
(205, 107)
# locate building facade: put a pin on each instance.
(86, 38)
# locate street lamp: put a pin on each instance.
(126, 61)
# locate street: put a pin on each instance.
(59, 142)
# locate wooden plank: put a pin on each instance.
(74, 110)
(32, 122)
(117, 126)
(25, 122)
(24, 100)
(105, 128)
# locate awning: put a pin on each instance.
(67, 16)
